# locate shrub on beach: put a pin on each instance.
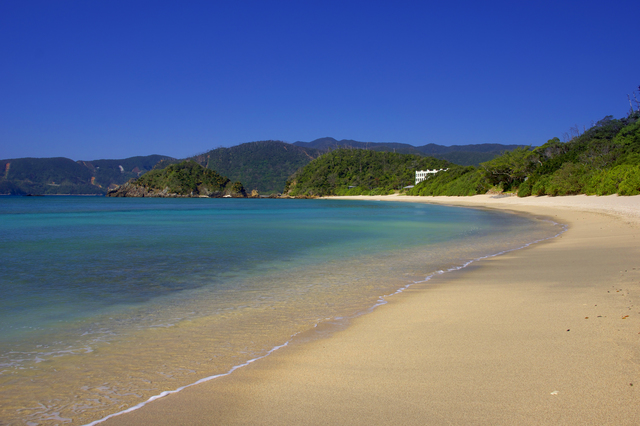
(623, 180)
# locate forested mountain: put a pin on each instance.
(184, 179)
(603, 160)
(263, 166)
(465, 155)
(65, 176)
(359, 172)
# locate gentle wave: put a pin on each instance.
(203, 380)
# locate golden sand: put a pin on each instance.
(549, 334)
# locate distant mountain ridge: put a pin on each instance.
(52, 176)
(464, 155)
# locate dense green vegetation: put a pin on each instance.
(603, 160)
(358, 172)
(187, 178)
(263, 166)
(64, 176)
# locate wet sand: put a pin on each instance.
(549, 334)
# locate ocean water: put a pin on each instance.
(107, 302)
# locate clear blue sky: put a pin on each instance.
(98, 79)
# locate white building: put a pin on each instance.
(423, 174)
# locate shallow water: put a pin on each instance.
(107, 302)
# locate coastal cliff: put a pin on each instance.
(183, 180)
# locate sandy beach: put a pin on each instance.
(549, 334)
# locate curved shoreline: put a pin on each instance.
(382, 300)
(614, 205)
(289, 384)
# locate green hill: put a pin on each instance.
(184, 179)
(263, 166)
(359, 171)
(603, 160)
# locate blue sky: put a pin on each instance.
(113, 79)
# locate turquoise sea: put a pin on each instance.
(107, 302)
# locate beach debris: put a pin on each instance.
(568, 329)
(554, 393)
(626, 316)
(586, 317)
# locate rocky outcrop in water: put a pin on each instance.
(183, 180)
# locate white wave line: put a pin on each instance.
(206, 379)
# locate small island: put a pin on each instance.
(187, 179)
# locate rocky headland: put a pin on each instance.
(183, 180)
